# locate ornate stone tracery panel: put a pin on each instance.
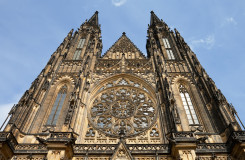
(148, 77)
(122, 107)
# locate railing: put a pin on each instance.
(110, 148)
(62, 136)
(70, 66)
(148, 148)
(176, 67)
(183, 137)
(95, 148)
(212, 148)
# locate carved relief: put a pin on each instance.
(70, 66)
(92, 136)
(126, 46)
(122, 104)
(123, 65)
(144, 158)
(122, 109)
(150, 77)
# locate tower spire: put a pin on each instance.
(154, 19)
(94, 19)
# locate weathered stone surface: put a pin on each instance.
(123, 105)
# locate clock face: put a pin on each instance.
(122, 108)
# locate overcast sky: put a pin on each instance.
(31, 30)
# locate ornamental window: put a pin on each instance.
(168, 49)
(59, 101)
(122, 107)
(188, 106)
(78, 51)
(170, 54)
(81, 43)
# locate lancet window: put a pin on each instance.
(168, 49)
(188, 106)
(78, 51)
(54, 115)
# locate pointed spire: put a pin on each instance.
(70, 33)
(94, 20)
(154, 19)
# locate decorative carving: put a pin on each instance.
(34, 147)
(124, 45)
(179, 67)
(212, 147)
(130, 110)
(83, 148)
(129, 66)
(70, 66)
(212, 158)
(134, 148)
(98, 158)
(145, 158)
(27, 158)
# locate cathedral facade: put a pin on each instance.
(122, 104)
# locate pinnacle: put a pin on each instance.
(94, 19)
(154, 18)
(124, 33)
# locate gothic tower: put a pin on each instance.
(122, 104)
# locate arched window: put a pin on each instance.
(57, 106)
(78, 51)
(168, 49)
(189, 109)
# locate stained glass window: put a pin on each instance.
(166, 43)
(78, 51)
(54, 115)
(168, 49)
(77, 54)
(81, 43)
(188, 106)
(170, 54)
(122, 109)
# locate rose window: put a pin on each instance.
(122, 110)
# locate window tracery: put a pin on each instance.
(54, 115)
(122, 107)
(188, 106)
(123, 82)
(152, 135)
(78, 51)
(90, 133)
(93, 136)
(168, 49)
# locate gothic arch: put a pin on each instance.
(53, 93)
(94, 89)
(189, 87)
(122, 101)
(64, 79)
(181, 78)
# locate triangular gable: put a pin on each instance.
(122, 153)
(154, 19)
(126, 46)
(94, 19)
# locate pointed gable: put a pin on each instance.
(126, 46)
(94, 19)
(122, 153)
(154, 19)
